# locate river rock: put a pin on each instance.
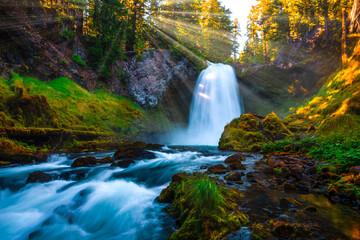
(289, 187)
(243, 234)
(84, 162)
(286, 203)
(234, 177)
(236, 166)
(105, 160)
(136, 150)
(282, 228)
(123, 163)
(217, 169)
(236, 158)
(38, 177)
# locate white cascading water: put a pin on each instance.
(216, 102)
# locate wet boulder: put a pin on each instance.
(105, 160)
(123, 163)
(136, 150)
(38, 177)
(236, 158)
(234, 177)
(84, 162)
(217, 169)
(286, 203)
(243, 234)
(236, 166)
(282, 228)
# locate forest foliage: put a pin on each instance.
(275, 24)
(198, 29)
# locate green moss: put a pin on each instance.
(76, 58)
(61, 103)
(341, 123)
(274, 127)
(249, 132)
(206, 209)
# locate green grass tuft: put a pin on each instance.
(76, 58)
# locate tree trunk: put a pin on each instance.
(266, 52)
(355, 17)
(344, 47)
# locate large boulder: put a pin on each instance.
(123, 163)
(249, 132)
(84, 162)
(217, 169)
(136, 150)
(234, 177)
(38, 177)
(236, 158)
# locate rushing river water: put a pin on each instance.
(96, 202)
(114, 203)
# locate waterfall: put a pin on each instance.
(216, 102)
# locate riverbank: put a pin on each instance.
(281, 196)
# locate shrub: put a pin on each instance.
(76, 58)
(139, 57)
(67, 34)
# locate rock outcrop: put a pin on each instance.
(249, 132)
(151, 78)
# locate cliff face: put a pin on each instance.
(158, 72)
(41, 42)
(37, 41)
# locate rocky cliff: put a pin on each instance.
(46, 43)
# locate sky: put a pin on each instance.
(240, 9)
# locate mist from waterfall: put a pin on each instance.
(216, 102)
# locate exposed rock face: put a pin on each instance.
(32, 42)
(150, 79)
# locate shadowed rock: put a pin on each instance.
(38, 177)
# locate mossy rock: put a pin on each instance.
(249, 132)
(17, 152)
(32, 111)
(274, 128)
(205, 210)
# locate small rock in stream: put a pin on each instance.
(38, 177)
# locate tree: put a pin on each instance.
(106, 33)
(235, 35)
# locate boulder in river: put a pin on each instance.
(286, 203)
(236, 158)
(234, 177)
(217, 169)
(38, 177)
(105, 160)
(123, 163)
(236, 166)
(136, 150)
(84, 162)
